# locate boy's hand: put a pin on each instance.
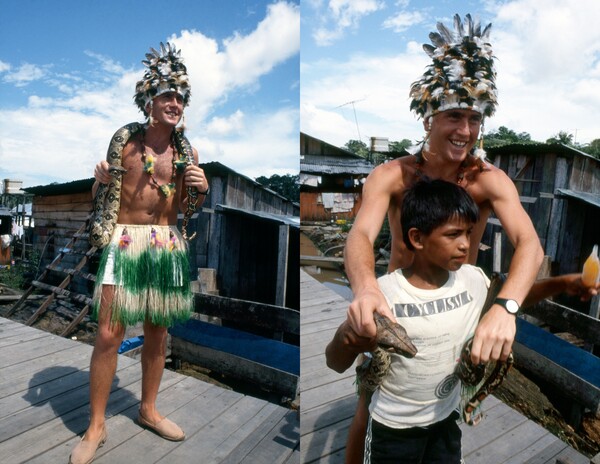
(345, 346)
(354, 342)
(574, 286)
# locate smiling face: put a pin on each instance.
(453, 133)
(167, 108)
(446, 247)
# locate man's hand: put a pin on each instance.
(101, 173)
(193, 176)
(494, 336)
(360, 312)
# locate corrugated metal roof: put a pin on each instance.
(316, 164)
(537, 149)
(293, 221)
(590, 198)
(77, 186)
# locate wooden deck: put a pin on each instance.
(44, 408)
(329, 401)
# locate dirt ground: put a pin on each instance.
(520, 390)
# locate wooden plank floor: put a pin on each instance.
(44, 408)
(329, 401)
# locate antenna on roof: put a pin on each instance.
(354, 109)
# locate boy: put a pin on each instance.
(438, 300)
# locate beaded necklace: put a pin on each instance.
(420, 160)
(177, 164)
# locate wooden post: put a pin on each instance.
(282, 264)
(497, 257)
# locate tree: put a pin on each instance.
(562, 137)
(400, 146)
(287, 185)
(504, 136)
(593, 148)
(358, 147)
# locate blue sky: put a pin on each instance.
(359, 58)
(68, 70)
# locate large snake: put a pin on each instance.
(107, 201)
(392, 337)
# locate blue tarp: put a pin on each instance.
(273, 353)
(130, 344)
(574, 359)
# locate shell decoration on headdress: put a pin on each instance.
(165, 73)
(462, 74)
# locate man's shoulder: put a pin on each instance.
(390, 175)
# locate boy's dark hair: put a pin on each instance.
(431, 203)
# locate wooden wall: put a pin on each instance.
(57, 219)
(565, 226)
(312, 210)
(236, 192)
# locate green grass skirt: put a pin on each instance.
(150, 272)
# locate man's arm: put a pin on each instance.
(359, 259)
(345, 346)
(496, 331)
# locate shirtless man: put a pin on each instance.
(144, 272)
(453, 100)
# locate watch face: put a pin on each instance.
(512, 306)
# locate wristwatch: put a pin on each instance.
(510, 305)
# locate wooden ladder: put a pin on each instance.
(61, 289)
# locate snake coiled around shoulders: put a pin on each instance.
(107, 202)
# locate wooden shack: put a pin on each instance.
(234, 190)
(59, 211)
(559, 188)
(331, 180)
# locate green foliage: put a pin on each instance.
(358, 147)
(400, 146)
(287, 185)
(593, 148)
(562, 137)
(14, 277)
(505, 136)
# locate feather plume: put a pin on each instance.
(445, 32)
(437, 39)
(458, 27)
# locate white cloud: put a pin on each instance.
(24, 74)
(61, 139)
(548, 63)
(4, 66)
(219, 126)
(267, 144)
(402, 20)
(108, 64)
(340, 16)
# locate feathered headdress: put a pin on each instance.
(166, 73)
(462, 74)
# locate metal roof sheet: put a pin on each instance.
(590, 198)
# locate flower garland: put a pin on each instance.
(178, 164)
